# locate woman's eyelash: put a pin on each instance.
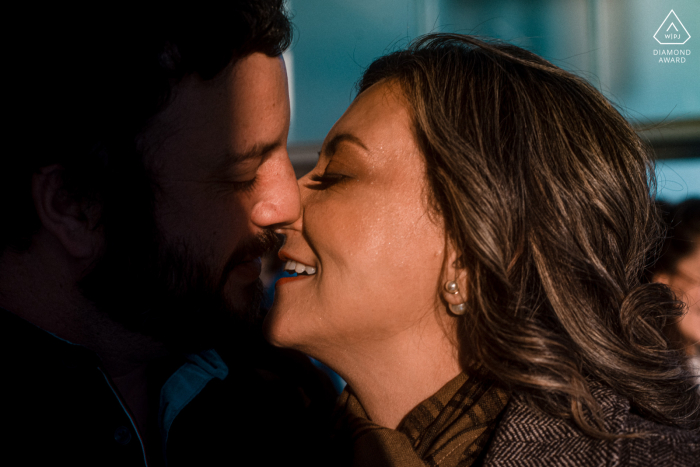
(326, 180)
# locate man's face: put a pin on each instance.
(219, 156)
(222, 180)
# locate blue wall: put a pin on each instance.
(610, 42)
(678, 179)
(334, 41)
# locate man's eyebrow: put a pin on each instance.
(230, 158)
(332, 146)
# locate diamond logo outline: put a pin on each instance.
(664, 22)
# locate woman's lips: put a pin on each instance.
(298, 267)
(285, 280)
(293, 265)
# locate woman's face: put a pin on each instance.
(366, 229)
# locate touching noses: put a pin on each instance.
(296, 225)
(279, 202)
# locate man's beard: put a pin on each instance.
(166, 290)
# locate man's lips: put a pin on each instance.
(247, 271)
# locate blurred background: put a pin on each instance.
(609, 42)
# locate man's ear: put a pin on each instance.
(457, 275)
(71, 221)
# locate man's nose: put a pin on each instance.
(278, 202)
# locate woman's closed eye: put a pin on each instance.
(326, 180)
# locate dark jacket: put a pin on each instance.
(448, 428)
(60, 408)
(527, 437)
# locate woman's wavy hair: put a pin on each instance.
(545, 193)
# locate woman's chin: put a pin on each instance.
(278, 327)
(271, 328)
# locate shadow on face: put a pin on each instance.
(223, 181)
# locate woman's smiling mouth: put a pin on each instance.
(300, 268)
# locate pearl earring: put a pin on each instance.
(451, 287)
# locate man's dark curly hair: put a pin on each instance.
(83, 87)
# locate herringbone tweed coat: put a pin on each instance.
(526, 437)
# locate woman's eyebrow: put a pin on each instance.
(332, 146)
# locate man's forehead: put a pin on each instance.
(229, 160)
(242, 113)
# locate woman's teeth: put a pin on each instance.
(293, 266)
